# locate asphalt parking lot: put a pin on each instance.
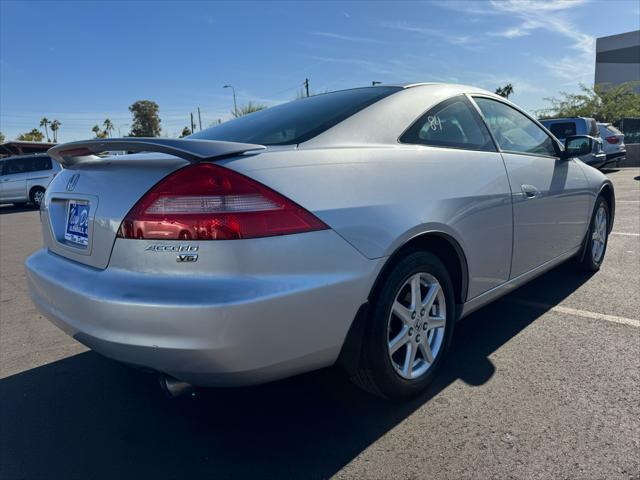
(544, 383)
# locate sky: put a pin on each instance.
(81, 62)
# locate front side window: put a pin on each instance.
(452, 123)
(514, 131)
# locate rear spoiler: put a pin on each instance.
(191, 150)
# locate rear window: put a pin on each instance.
(297, 121)
(613, 130)
(563, 129)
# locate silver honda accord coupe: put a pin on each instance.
(351, 228)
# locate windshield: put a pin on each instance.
(296, 121)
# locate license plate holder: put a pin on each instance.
(76, 231)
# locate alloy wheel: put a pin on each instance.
(599, 235)
(416, 325)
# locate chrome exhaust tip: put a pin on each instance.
(172, 387)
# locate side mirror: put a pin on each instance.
(577, 146)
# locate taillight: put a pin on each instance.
(209, 202)
(613, 139)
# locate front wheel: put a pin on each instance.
(597, 237)
(410, 328)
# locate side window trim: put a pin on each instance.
(559, 148)
(472, 108)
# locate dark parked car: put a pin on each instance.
(567, 127)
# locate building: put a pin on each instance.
(18, 147)
(618, 59)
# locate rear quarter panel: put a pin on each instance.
(379, 197)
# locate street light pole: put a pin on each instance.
(235, 105)
(123, 125)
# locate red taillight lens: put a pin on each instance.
(209, 202)
(613, 139)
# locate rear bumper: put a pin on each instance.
(213, 329)
(616, 155)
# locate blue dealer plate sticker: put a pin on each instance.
(77, 229)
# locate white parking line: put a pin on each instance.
(579, 313)
(626, 233)
(627, 201)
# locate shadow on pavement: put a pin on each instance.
(89, 417)
(6, 209)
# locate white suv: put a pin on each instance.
(24, 179)
(613, 143)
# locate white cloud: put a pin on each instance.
(348, 38)
(551, 16)
(459, 40)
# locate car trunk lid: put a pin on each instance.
(86, 203)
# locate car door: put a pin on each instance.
(464, 166)
(550, 195)
(14, 179)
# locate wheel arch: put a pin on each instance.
(607, 192)
(445, 247)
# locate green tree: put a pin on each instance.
(99, 133)
(1, 137)
(108, 127)
(146, 121)
(186, 131)
(603, 102)
(250, 107)
(505, 91)
(44, 123)
(55, 126)
(34, 135)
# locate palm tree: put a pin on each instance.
(55, 126)
(505, 91)
(96, 130)
(108, 127)
(44, 123)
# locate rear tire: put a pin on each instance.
(36, 195)
(405, 339)
(597, 237)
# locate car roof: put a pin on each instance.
(28, 155)
(566, 119)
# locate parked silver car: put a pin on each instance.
(563, 128)
(349, 228)
(25, 178)
(613, 142)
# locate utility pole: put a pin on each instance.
(306, 86)
(199, 119)
(193, 125)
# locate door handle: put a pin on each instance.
(530, 191)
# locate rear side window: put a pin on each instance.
(563, 129)
(38, 163)
(514, 131)
(17, 165)
(297, 121)
(454, 124)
